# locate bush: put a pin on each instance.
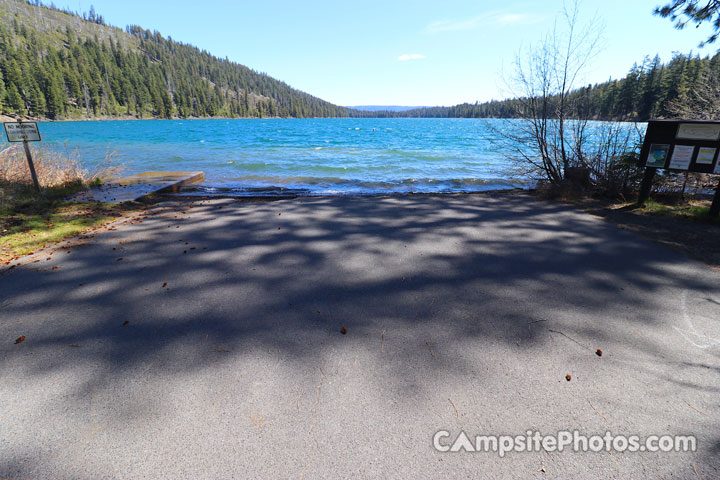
(56, 170)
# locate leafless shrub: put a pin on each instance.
(609, 151)
(554, 141)
(543, 79)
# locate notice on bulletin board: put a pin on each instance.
(657, 156)
(681, 157)
(705, 156)
(699, 131)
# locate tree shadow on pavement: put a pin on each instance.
(491, 292)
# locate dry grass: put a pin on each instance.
(107, 170)
(57, 171)
(54, 168)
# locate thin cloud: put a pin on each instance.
(516, 19)
(490, 18)
(410, 56)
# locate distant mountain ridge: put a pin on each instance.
(384, 108)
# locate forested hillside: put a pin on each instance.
(57, 64)
(650, 90)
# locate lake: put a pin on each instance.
(300, 156)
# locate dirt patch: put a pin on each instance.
(695, 239)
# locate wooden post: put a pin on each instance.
(32, 166)
(715, 207)
(646, 186)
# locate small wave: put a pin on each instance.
(258, 185)
(202, 190)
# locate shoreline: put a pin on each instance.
(682, 235)
(6, 118)
(296, 194)
(27, 118)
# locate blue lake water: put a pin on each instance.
(310, 156)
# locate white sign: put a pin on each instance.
(705, 156)
(681, 157)
(22, 132)
(699, 131)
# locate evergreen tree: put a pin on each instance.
(683, 12)
(2, 91)
(55, 97)
(14, 100)
(134, 71)
(650, 89)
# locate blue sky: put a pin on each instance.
(397, 52)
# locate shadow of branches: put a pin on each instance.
(460, 289)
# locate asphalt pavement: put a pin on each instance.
(333, 337)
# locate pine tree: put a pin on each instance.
(682, 12)
(650, 89)
(55, 97)
(2, 91)
(15, 102)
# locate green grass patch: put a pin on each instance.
(30, 221)
(695, 210)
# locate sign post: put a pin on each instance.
(681, 145)
(715, 207)
(25, 132)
